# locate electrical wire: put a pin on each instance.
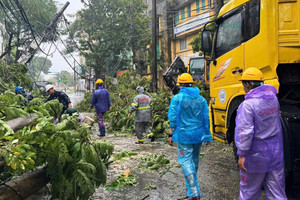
(4, 9)
(25, 18)
(73, 68)
(119, 61)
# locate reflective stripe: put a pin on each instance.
(134, 104)
(141, 108)
(150, 134)
(140, 140)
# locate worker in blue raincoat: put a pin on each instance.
(189, 127)
(258, 138)
(101, 102)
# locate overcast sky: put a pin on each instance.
(58, 62)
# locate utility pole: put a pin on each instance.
(133, 40)
(154, 50)
(34, 46)
(218, 5)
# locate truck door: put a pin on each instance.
(228, 64)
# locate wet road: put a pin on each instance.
(76, 97)
(218, 173)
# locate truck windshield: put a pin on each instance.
(229, 34)
(197, 68)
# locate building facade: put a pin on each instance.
(165, 24)
(164, 29)
(189, 19)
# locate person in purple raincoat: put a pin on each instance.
(258, 138)
(101, 102)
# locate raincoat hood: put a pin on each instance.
(264, 91)
(190, 91)
(140, 90)
(100, 87)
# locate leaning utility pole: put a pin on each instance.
(35, 44)
(154, 50)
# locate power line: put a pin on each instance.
(4, 9)
(73, 68)
(25, 18)
(120, 59)
(121, 43)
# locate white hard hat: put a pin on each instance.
(48, 87)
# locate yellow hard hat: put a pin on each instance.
(252, 74)
(185, 78)
(99, 81)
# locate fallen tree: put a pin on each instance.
(76, 165)
(25, 185)
(18, 124)
(21, 122)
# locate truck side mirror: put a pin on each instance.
(206, 43)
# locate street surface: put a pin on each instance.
(218, 173)
(76, 97)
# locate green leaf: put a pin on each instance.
(15, 141)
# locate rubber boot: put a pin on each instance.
(151, 137)
(102, 131)
(194, 198)
(140, 142)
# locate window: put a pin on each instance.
(232, 31)
(229, 34)
(209, 3)
(189, 10)
(158, 50)
(182, 14)
(202, 5)
(177, 18)
(197, 6)
(197, 68)
(182, 44)
(253, 16)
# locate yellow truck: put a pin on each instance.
(263, 34)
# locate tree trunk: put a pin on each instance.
(7, 55)
(21, 122)
(2, 164)
(25, 185)
(219, 4)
